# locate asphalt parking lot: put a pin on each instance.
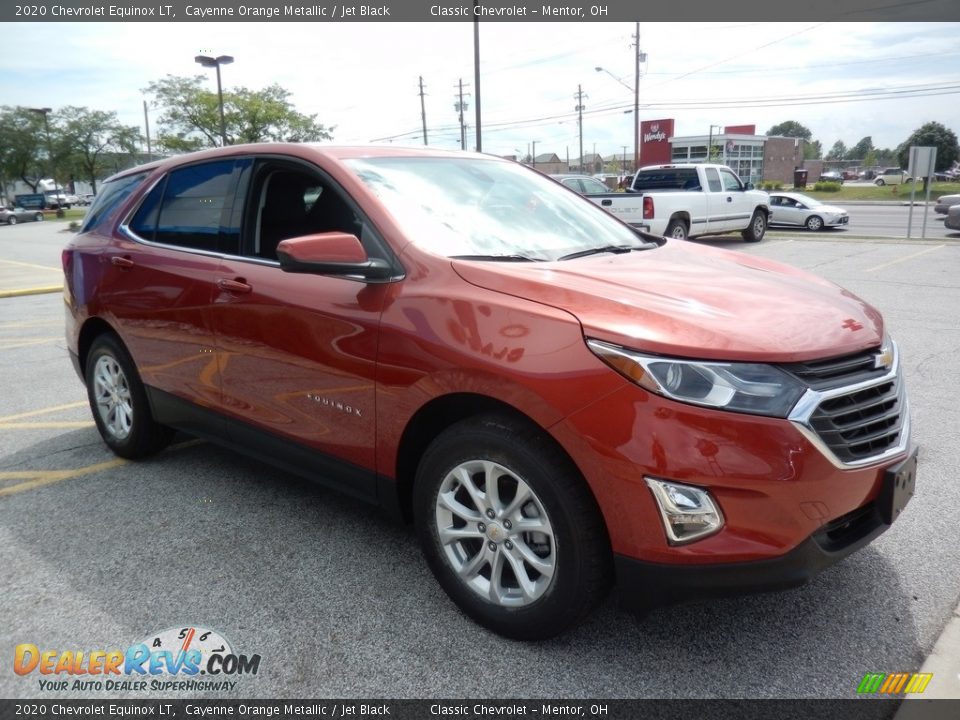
(98, 553)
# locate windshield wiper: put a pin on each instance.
(615, 249)
(500, 258)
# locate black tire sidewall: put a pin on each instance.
(673, 224)
(749, 234)
(564, 602)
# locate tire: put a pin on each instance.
(563, 555)
(677, 229)
(38, 217)
(757, 228)
(879, 182)
(814, 223)
(118, 401)
(12, 220)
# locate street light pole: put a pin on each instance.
(51, 167)
(216, 62)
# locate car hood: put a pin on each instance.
(692, 301)
(829, 209)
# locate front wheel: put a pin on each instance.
(814, 223)
(880, 182)
(119, 401)
(755, 231)
(12, 220)
(509, 528)
(38, 217)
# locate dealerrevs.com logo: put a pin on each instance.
(184, 658)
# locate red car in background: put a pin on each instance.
(557, 401)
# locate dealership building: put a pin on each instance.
(753, 157)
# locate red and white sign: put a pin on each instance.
(655, 141)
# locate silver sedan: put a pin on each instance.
(797, 209)
(11, 216)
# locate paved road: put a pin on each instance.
(96, 553)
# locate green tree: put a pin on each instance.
(937, 135)
(23, 146)
(812, 150)
(838, 151)
(861, 149)
(88, 139)
(190, 115)
(791, 128)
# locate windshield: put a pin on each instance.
(488, 209)
(806, 200)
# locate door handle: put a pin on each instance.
(238, 286)
(606, 203)
(123, 262)
(729, 199)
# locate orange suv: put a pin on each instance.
(557, 401)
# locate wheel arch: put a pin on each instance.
(442, 412)
(92, 329)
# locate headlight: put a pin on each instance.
(740, 387)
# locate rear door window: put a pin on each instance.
(191, 208)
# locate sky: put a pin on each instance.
(362, 78)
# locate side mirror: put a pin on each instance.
(333, 253)
(748, 186)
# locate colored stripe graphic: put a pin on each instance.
(894, 683)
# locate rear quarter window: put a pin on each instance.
(111, 196)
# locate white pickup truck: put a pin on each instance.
(682, 201)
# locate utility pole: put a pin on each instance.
(476, 69)
(423, 112)
(579, 108)
(624, 171)
(639, 56)
(460, 106)
(533, 156)
(146, 124)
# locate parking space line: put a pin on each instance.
(25, 343)
(30, 324)
(31, 265)
(42, 411)
(904, 258)
(42, 290)
(39, 478)
(53, 424)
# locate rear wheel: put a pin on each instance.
(677, 229)
(12, 220)
(38, 217)
(119, 401)
(509, 528)
(814, 223)
(755, 231)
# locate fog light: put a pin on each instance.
(688, 512)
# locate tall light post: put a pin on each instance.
(216, 62)
(51, 167)
(710, 141)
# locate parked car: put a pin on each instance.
(86, 198)
(831, 176)
(797, 209)
(555, 399)
(849, 174)
(866, 174)
(60, 200)
(892, 176)
(13, 215)
(583, 184)
(952, 220)
(945, 202)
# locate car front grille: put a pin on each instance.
(855, 409)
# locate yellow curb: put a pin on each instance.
(31, 291)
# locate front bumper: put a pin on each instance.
(644, 585)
